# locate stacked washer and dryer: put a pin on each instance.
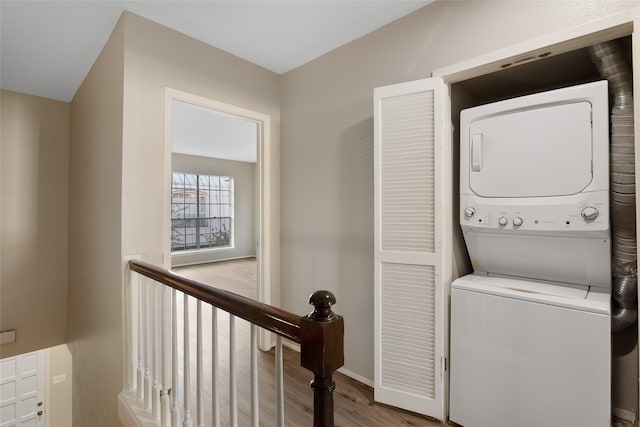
(531, 327)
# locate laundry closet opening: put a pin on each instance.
(539, 75)
(529, 75)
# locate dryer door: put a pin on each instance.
(545, 151)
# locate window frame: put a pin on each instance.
(197, 190)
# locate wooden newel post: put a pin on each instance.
(322, 352)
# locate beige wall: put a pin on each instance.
(157, 57)
(327, 144)
(95, 269)
(116, 208)
(244, 183)
(33, 255)
(116, 172)
(59, 412)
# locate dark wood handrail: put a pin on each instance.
(320, 334)
(266, 316)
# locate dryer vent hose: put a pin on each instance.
(611, 65)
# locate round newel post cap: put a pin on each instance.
(322, 302)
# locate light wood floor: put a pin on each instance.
(353, 401)
(354, 405)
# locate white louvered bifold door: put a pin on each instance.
(409, 303)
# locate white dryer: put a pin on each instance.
(530, 329)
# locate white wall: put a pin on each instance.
(244, 193)
(327, 144)
(33, 220)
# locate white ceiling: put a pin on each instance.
(202, 132)
(48, 47)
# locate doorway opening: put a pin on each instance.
(217, 187)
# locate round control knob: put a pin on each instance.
(517, 221)
(589, 213)
(469, 212)
(503, 221)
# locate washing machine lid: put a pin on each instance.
(579, 298)
(545, 150)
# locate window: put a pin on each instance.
(201, 211)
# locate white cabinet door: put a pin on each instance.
(22, 390)
(410, 302)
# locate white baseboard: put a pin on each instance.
(290, 344)
(366, 381)
(359, 378)
(624, 414)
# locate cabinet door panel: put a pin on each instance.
(409, 304)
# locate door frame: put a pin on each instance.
(43, 386)
(265, 148)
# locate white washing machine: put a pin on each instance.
(530, 329)
(527, 354)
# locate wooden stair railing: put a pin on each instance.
(320, 334)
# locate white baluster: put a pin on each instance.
(141, 340)
(175, 408)
(157, 349)
(148, 386)
(215, 418)
(233, 403)
(279, 384)
(131, 328)
(186, 370)
(200, 376)
(165, 403)
(254, 376)
(165, 408)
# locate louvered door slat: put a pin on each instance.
(407, 237)
(400, 303)
(406, 150)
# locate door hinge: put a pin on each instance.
(443, 365)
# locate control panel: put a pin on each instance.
(589, 214)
